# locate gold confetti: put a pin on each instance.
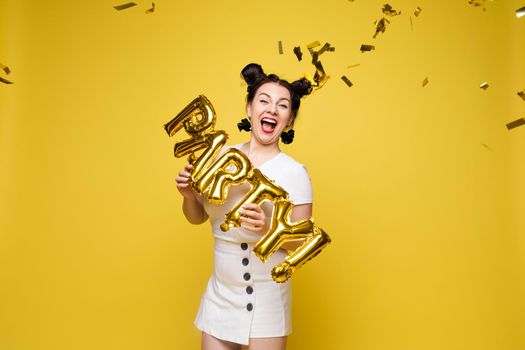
(520, 12)
(486, 146)
(326, 47)
(522, 94)
(313, 44)
(479, 3)
(5, 81)
(389, 11)
(484, 85)
(152, 9)
(365, 48)
(380, 26)
(417, 11)
(411, 24)
(5, 68)
(425, 82)
(280, 45)
(347, 81)
(124, 6)
(298, 53)
(354, 65)
(516, 123)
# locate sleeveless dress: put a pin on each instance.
(241, 300)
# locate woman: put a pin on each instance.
(242, 306)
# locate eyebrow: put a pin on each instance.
(282, 98)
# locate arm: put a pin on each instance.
(191, 207)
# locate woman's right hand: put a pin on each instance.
(183, 182)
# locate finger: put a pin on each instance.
(252, 222)
(188, 167)
(181, 179)
(184, 174)
(253, 206)
(252, 214)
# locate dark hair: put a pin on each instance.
(254, 76)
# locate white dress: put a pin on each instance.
(241, 300)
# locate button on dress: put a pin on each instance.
(241, 300)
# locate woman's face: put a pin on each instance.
(270, 112)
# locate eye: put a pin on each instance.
(263, 101)
(283, 106)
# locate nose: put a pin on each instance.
(272, 109)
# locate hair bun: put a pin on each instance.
(302, 87)
(252, 73)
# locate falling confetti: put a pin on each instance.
(516, 123)
(298, 53)
(152, 9)
(124, 6)
(520, 12)
(280, 45)
(365, 48)
(354, 65)
(486, 146)
(484, 85)
(347, 81)
(425, 82)
(5, 81)
(313, 44)
(380, 26)
(389, 11)
(5, 68)
(522, 94)
(417, 11)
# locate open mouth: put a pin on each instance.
(268, 125)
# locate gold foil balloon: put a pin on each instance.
(197, 117)
(282, 230)
(232, 168)
(262, 189)
(310, 248)
(219, 176)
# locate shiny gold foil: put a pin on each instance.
(389, 11)
(484, 85)
(520, 12)
(152, 9)
(354, 65)
(417, 11)
(522, 94)
(280, 47)
(313, 44)
(425, 82)
(380, 26)
(298, 53)
(516, 123)
(124, 6)
(5, 68)
(5, 81)
(347, 81)
(365, 48)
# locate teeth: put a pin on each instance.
(269, 121)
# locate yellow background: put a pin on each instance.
(421, 189)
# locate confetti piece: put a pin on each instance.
(411, 24)
(520, 12)
(280, 44)
(417, 11)
(152, 9)
(486, 146)
(365, 48)
(425, 82)
(313, 44)
(389, 11)
(522, 94)
(5, 68)
(325, 47)
(5, 81)
(354, 65)
(347, 81)
(478, 3)
(124, 6)
(298, 53)
(484, 86)
(380, 26)
(516, 123)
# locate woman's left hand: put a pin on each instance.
(253, 218)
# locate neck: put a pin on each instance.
(258, 153)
